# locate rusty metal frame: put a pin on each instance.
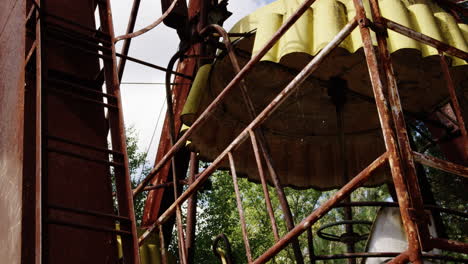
(119, 158)
(399, 154)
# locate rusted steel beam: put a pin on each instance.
(149, 27)
(388, 134)
(191, 210)
(348, 211)
(401, 133)
(32, 51)
(346, 190)
(126, 45)
(240, 209)
(267, 112)
(258, 134)
(116, 121)
(450, 245)
(163, 245)
(266, 193)
(402, 258)
(31, 141)
(210, 109)
(441, 46)
(455, 104)
(441, 164)
(38, 140)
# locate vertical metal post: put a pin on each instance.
(418, 215)
(240, 209)
(310, 245)
(191, 210)
(389, 138)
(127, 42)
(117, 130)
(162, 245)
(266, 193)
(348, 212)
(38, 169)
(41, 63)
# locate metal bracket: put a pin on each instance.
(377, 27)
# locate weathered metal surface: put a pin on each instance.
(404, 147)
(191, 221)
(75, 161)
(447, 244)
(240, 209)
(118, 140)
(150, 26)
(389, 137)
(12, 92)
(441, 164)
(444, 47)
(126, 44)
(266, 193)
(32, 189)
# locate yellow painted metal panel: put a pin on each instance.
(326, 17)
(195, 95)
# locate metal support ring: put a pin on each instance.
(345, 237)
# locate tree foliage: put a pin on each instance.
(138, 167)
(218, 214)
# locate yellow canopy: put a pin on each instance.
(302, 134)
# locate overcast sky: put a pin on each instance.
(142, 103)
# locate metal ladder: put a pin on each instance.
(77, 172)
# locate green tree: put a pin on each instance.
(139, 168)
(218, 214)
